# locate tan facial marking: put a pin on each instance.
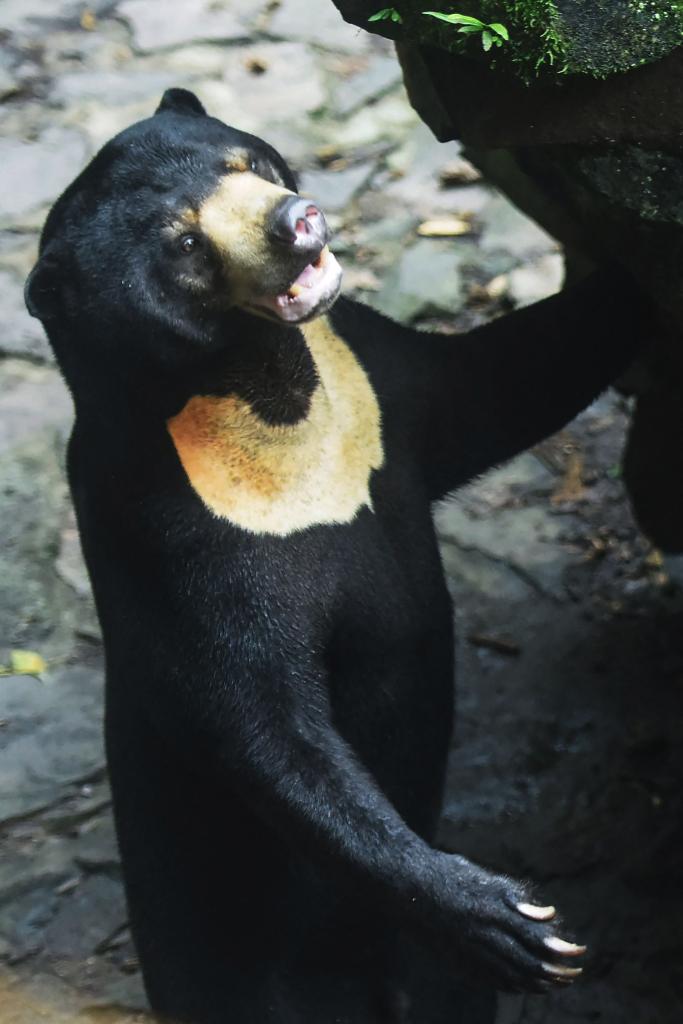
(234, 219)
(237, 161)
(280, 479)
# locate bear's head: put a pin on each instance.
(181, 224)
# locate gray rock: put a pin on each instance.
(23, 920)
(294, 19)
(34, 992)
(525, 477)
(86, 917)
(35, 416)
(289, 84)
(22, 334)
(102, 121)
(523, 538)
(381, 75)
(69, 564)
(41, 863)
(386, 230)
(32, 399)
(33, 502)
(537, 280)
(72, 50)
(427, 280)
(421, 191)
(158, 26)
(470, 570)
(334, 190)
(388, 119)
(196, 59)
(673, 566)
(81, 810)
(111, 87)
(97, 849)
(18, 251)
(506, 228)
(34, 173)
(8, 82)
(28, 16)
(53, 736)
(417, 165)
(422, 152)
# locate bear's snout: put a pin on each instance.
(300, 224)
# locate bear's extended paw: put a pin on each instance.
(514, 941)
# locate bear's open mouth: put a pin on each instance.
(309, 295)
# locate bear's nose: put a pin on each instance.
(300, 224)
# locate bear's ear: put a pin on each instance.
(42, 291)
(180, 101)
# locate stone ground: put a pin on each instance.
(567, 763)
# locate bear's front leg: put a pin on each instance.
(274, 746)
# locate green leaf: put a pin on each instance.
(456, 19)
(486, 40)
(469, 28)
(499, 29)
(395, 16)
(381, 15)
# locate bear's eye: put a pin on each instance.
(189, 244)
(253, 166)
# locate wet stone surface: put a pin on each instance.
(567, 763)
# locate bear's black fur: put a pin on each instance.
(253, 488)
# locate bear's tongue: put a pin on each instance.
(307, 277)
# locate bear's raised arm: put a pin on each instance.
(498, 390)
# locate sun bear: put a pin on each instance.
(253, 465)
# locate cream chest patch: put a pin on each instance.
(280, 479)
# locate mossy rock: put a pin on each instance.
(549, 38)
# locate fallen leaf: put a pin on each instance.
(88, 20)
(444, 227)
(26, 663)
(494, 289)
(68, 886)
(571, 486)
(655, 559)
(256, 65)
(494, 643)
(361, 279)
(327, 153)
(459, 172)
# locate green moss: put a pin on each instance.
(648, 182)
(618, 35)
(557, 37)
(540, 40)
